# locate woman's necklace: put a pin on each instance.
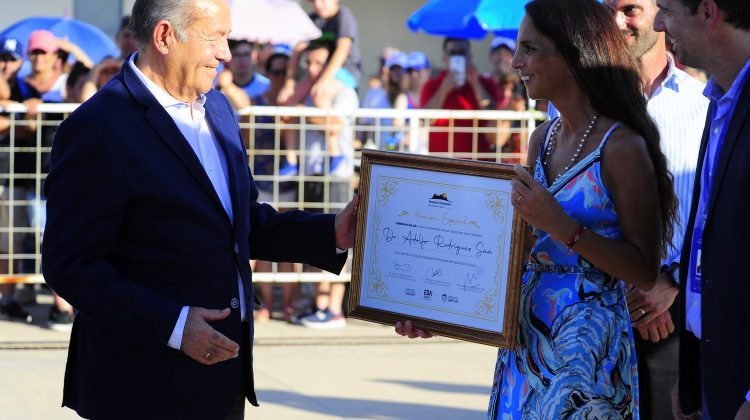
(553, 143)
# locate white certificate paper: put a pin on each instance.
(437, 246)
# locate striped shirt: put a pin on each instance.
(679, 110)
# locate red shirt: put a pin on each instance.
(459, 98)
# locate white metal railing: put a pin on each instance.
(487, 133)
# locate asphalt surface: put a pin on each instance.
(362, 371)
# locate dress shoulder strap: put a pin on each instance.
(608, 134)
(547, 135)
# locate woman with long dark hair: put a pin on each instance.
(600, 201)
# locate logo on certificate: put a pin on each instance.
(427, 294)
(439, 200)
(410, 292)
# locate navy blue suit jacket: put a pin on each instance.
(720, 361)
(135, 231)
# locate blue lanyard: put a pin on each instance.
(708, 171)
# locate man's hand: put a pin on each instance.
(677, 410)
(225, 79)
(286, 92)
(658, 328)
(646, 306)
(346, 224)
(31, 107)
(408, 330)
(204, 344)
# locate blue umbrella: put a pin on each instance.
(95, 43)
(469, 18)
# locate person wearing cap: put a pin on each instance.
(392, 96)
(46, 80)
(418, 72)
(460, 88)
(501, 53)
(11, 59)
(45, 84)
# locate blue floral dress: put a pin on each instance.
(575, 357)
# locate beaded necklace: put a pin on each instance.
(553, 143)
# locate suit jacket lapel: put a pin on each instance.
(737, 122)
(221, 122)
(163, 124)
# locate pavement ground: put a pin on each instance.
(362, 371)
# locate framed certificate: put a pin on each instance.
(438, 243)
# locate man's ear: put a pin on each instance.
(709, 11)
(163, 36)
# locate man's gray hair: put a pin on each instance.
(147, 13)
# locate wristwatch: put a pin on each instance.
(674, 273)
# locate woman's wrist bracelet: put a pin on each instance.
(576, 236)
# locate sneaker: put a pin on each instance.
(336, 161)
(321, 320)
(296, 318)
(15, 312)
(289, 170)
(59, 320)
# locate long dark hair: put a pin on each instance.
(586, 35)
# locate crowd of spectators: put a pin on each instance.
(325, 73)
(58, 72)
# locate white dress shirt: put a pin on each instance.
(190, 118)
(678, 107)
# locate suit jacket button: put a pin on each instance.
(235, 303)
(236, 248)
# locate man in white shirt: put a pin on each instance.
(677, 105)
(152, 218)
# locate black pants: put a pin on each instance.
(237, 412)
(657, 372)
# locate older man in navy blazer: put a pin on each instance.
(715, 282)
(152, 218)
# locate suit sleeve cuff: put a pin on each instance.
(175, 340)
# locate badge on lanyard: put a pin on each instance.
(695, 263)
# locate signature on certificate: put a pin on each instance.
(397, 265)
(470, 283)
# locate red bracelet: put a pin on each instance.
(576, 236)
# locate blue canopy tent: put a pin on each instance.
(92, 40)
(469, 18)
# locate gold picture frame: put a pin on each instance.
(464, 256)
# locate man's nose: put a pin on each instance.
(224, 53)
(621, 20)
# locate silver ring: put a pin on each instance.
(207, 356)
